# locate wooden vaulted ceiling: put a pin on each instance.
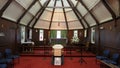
(60, 14)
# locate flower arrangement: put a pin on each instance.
(75, 39)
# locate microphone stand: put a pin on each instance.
(44, 49)
(81, 57)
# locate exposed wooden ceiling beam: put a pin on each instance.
(89, 9)
(33, 17)
(80, 14)
(40, 3)
(82, 18)
(65, 15)
(18, 21)
(5, 7)
(52, 15)
(105, 3)
(77, 3)
(119, 7)
(109, 9)
(70, 3)
(42, 10)
(97, 22)
(24, 8)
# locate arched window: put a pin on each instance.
(93, 35)
(41, 35)
(22, 34)
(85, 33)
(58, 34)
(75, 33)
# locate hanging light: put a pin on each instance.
(58, 20)
(58, 23)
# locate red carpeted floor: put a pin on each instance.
(45, 62)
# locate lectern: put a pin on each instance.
(57, 58)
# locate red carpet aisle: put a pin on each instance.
(40, 62)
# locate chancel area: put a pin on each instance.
(59, 33)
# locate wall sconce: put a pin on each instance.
(2, 26)
(110, 27)
(101, 27)
(36, 30)
(2, 34)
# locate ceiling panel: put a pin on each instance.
(25, 3)
(49, 9)
(42, 24)
(58, 3)
(75, 25)
(13, 12)
(71, 16)
(66, 3)
(81, 9)
(51, 4)
(43, 1)
(101, 13)
(59, 10)
(68, 9)
(58, 17)
(74, 2)
(35, 8)
(46, 15)
(90, 3)
(57, 25)
(2, 3)
(90, 20)
(25, 20)
(114, 4)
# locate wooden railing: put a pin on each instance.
(62, 41)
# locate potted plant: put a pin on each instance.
(75, 40)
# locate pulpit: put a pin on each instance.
(57, 54)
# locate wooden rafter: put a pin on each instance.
(72, 6)
(52, 15)
(97, 22)
(33, 18)
(89, 10)
(65, 15)
(105, 3)
(40, 3)
(109, 9)
(5, 7)
(77, 4)
(119, 7)
(42, 10)
(82, 17)
(18, 21)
